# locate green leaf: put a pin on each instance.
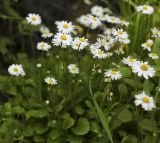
(68, 123)
(148, 86)
(125, 115)
(74, 139)
(94, 127)
(126, 72)
(31, 113)
(82, 127)
(123, 89)
(55, 133)
(129, 139)
(79, 110)
(28, 130)
(102, 117)
(18, 110)
(40, 128)
(37, 113)
(147, 124)
(39, 139)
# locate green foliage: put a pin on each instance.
(81, 108)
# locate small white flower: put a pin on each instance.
(113, 19)
(143, 69)
(108, 31)
(113, 74)
(105, 42)
(148, 45)
(39, 65)
(50, 80)
(79, 43)
(155, 32)
(97, 10)
(65, 27)
(100, 54)
(84, 20)
(43, 29)
(145, 9)
(73, 69)
(61, 39)
(33, 19)
(146, 102)
(94, 22)
(121, 35)
(104, 17)
(43, 46)
(129, 61)
(123, 22)
(153, 56)
(47, 101)
(16, 70)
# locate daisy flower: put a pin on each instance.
(143, 69)
(79, 43)
(61, 39)
(43, 46)
(121, 35)
(148, 45)
(108, 31)
(94, 22)
(123, 22)
(64, 27)
(45, 32)
(129, 61)
(113, 74)
(16, 70)
(155, 32)
(153, 56)
(73, 69)
(146, 102)
(104, 17)
(104, 42)
(145, 9)
(97, 10)
(100, 54)
(113, 19)
(84, 20)
(33, 19)
(50, 81)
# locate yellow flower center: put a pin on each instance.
(144, 67)
(74, 69)
(113, 19)
(120, 32)
(145, 7)
(65, 26)
(113, 72)
(81, 39)
(100, 52)
(34, 18)
(94, 18)
(15, 69)
(145, 99)
(131, 60)
(42, 46)
(64, 37)
(148, 44)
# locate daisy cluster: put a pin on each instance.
(107, 49)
